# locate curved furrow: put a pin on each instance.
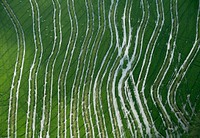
(151, 45)
(155, 88)
(127, 30)
(134, 59)
(16, 80)
(171, 97)
(140, 33)
(116, 128)
(74, 110)
(132, 63)
(109, 55)
(138, 123)
(102, 71)
(92, 64)
(124, 41)
(112, 74)
(112, 80)
(102, 130)
(142, 107)
(126, 96)
(49, 71)
(58, 33)
(33, 74)
(127, 103)
(107, 83)
(126, 44)
(138, 37)
(114, 71)
(147, 62)
(100, 83)
(62, 103)
(131, 124)
(84, 100)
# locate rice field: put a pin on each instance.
(97, 68)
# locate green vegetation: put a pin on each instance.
(86, 68)
(195, 127)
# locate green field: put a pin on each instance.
(86, 68)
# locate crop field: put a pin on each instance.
(99, 68)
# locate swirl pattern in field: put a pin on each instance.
(99, 68)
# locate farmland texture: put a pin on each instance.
(99, 68)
